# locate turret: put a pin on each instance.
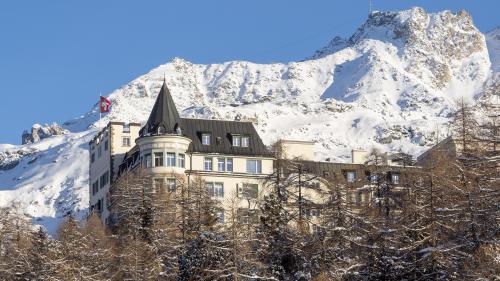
(161, 143)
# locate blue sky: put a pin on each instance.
(56, 56)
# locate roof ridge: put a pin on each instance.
(221, 120)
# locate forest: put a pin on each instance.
(442, 223)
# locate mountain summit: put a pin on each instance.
(391, 85)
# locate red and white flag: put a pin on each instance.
(104, 104)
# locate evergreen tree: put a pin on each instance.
(282, 226)
(206, 258)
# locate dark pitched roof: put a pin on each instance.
(337, 170)
(164, 120)
(221, 132)
(221, 137)
(164, 117)
(322, 167)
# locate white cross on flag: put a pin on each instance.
(104, 104)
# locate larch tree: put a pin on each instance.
(133, 216)
(15, 243)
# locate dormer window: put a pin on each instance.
(236, 140)
(177, 129)
(206, 139)
(350, 176)
(126, 128)
(395, 178)
(241, 141)
(245, 141)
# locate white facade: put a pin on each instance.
(225, 175)
(293, 149)
(166, 156)
(107, 151)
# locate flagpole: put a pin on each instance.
(100, 113)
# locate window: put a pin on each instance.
(171, 184)
(254, 166)
(126, 128)
(208, 164)
(313, 185)
(236, 140)
(108, 201)
(395, 178)
(106, 144)
(104, 179)
(311, 212)
(221, 164)
(95, 187)
(158, 184)
(242, 141)
(99, 151)
(92, 158)
(206, 139)
(245, 141)
(315, 212)
(373, 178)
(350, 176)
(177, 129)
(126, 142)
(225, 164)
(316, 229)
(215, 189)
(182, 161)
(219, 214)
(147, 160)
(99, 205)
(171, 159)
(247, 216)
(248, 191)
(359, 198)
(158, 159)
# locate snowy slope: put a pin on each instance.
(50, 178)
(493, 42)
(391, 85)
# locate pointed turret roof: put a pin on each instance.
(164, 117)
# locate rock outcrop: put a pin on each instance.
(39, 132)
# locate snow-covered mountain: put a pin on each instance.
(391, 85)
(493, 42)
